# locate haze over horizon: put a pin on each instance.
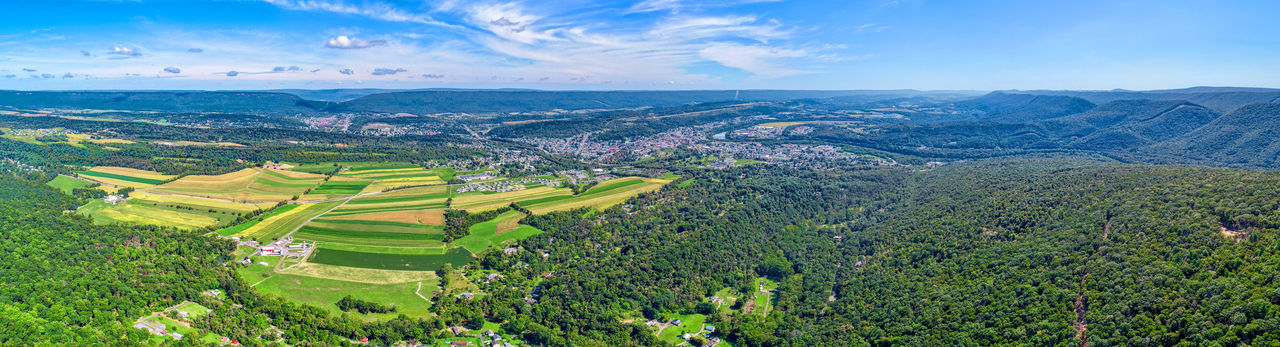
(637, 45)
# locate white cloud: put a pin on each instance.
(755, 59)
(678, 5)
(387, 71)
(343, 42)
(370, 9)
(172, 69)
(124, 51)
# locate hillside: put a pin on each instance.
(1245, 137)
(166, 101)
(512, 100)
(1018, 108)
(1128, 124)
(1219, 99)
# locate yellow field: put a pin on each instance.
(361, 275)
(603, 200)
(429, 217)
(419, 191)
(145, 174)
(128, 212)
(480, 202)
(132, 172)
(297, 174)
(224, 182)
(227, 206)
(391, 204)
(381, 184)
(240, 186)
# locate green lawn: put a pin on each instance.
(66, 183)
(193, 309)
(691, 323)
(324, 293)
(484, 235)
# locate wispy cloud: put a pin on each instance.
(432, 76)
(759, 60)
(678, 5)
(347, 71)
(370, 9)
(344, 42)
(387, 71)
(195, 50)
(172, 69)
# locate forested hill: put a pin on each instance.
(503, 101)
(1219, 99)
(266, 103)
(1020, 108)
(1037, 252)
(1248, 136)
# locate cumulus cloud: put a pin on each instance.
(432, 76)
(387, 71)
(172, 70)
(347, 72)
(68, 75)
(44, 76)
(124, 51)
(196, 50)
(344, 42)
(232, 73)
(85, 53)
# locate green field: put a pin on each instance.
(278, 224)
(322, 168)
(119, 177)
(134, 212)
(690, 323)
(236, 229)
(486, 234)
(416, 262)
(343, 188)
(385, 250)
(325, 293)
(67, 183)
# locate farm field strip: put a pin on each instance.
(600, 199)
(386, 250)
(371, 227)
(355, 241)
(199, 202)
(417, 235)
(281, 224)
(412, 216)
(67, 183)
(417, 262)
(353, 274)
(475, 202)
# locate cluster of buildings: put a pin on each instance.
(498, 186)
(759, 132)
(156, 329)
(543, 181)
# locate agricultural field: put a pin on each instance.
(124, 177)
(390, 261)
(137, 211)
(392, 176)
(481, 201)
(276, 225)
(602, 196)
(497, 231)
(251, 185)
(67, 183)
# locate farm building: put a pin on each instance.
(113, 199)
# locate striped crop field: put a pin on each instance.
(479, 201)
(124, 177)
(604, 195)
(251, 185)
(278, 225)
(198, 203)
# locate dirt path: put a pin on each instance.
(418, 292)
(1082, 308)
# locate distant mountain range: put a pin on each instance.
(429, 101)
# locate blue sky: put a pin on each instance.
(638, 44)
